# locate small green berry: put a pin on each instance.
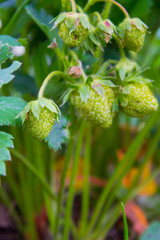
(132, 33)
(140, 100)
(98, 108)
(40, 128)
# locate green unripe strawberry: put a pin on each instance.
(140, 100)
(98, 108)
(39, 116)
(72, 38)
(40, 128)
(132, 33)
(73, 28)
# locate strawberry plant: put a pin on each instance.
(75, 92)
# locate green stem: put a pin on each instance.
(120, 172)
(114, 213)
(15, 17)
(92, 2)
(106, 11)
(73, 6)
(46, 80)
(62, 183)
(98, 16)
(86, 185)
(125, 223)
(122, 52)
(35, 172)
(70, 198)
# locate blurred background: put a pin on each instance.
(27, 209)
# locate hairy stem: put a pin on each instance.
(119, 45)
(106, 11)
(73, 5)
(47, 79)
(92, 2)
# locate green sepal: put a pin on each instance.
(122, 73)
(125, 66)
(84, 21)
(66, 96)
(84, 92)
(89, 80)
(36, 106)
(88, 45)
(71, 23)
(106, 26)
(94, 38)
(139, 79)
(115, 107)
(138, 23)
(58, 20)
(98, 88)
(108, 83)
(122, 100)
(127, 25)
(126, 89)
(73, 85)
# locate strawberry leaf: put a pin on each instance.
(152, 232)
(59, 134)
(11, 41)
(5, 53)
(6, 74)
(5, 142)
(42, 19)
(10, 107)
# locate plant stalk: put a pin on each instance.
(46, 80)
(73, 6)
(92, 2)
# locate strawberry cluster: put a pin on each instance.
(99, 96)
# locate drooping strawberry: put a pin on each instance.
(97, 109)
(132, 32)
(73, 28)
(140, 100)
(39, 117)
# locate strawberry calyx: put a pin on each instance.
(127, 24)
(71, 20)
(83, 88)
(125, 67)
(36, 106)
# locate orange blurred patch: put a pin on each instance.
(149, 189)
(136, 215)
